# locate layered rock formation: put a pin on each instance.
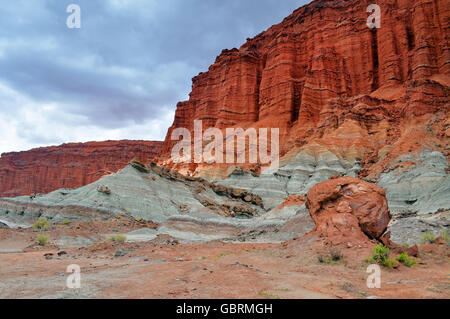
(348, 100)
(186, 208)
(46, 169)
(333, 86)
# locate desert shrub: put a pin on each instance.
(390, 263)
(41, 225)
(428, 238)
(42, 239)
(403, 257)
(321, 259)
(406, 260)
(333, 256)
(66, 222)
(336, 255)
(381, 256)
(117, 238)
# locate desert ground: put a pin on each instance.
(166, 268)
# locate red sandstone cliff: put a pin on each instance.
(46, 169)
(328, 81)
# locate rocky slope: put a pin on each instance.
(183, 206)
(46, 169)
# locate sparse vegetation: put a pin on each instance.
(268, 295)
(406, 260)
(333, 257)
(41, 225)
(336, 255)
(117, 238)
(42, 239)
(381, 256)
(66, 222)
(347, 287)
(428, 238)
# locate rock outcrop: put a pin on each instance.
(348, 209)
(137, 191)
(333, 86)
(46, 169)
(348, 101)
(185, 207)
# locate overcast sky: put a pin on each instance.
(120, 75)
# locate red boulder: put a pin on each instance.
(348, 209)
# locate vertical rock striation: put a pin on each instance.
(323, 77)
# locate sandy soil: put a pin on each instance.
(163, 268)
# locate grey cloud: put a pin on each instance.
(131, 61)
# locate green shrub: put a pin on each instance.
(428, 238)
(117, 238)
(406, 260)
(403, 257)
(391, 263)
(409, 263)
(381, 256)
(66, 222)
(42, 239)
(41, 225)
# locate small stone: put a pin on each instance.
(120, 253)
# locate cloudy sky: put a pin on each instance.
(120, 75)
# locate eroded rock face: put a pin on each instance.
(348, 209)
(328, 81)
(72, 165)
